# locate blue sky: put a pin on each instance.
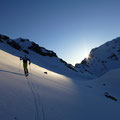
(71, 28)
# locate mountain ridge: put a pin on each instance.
(39, 56)
(18, 44)
(102, 59)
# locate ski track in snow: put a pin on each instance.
(37, 99)
(40, 102)
(54, 96)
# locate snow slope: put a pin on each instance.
(102, 59)
(53, 96)
(40, 56)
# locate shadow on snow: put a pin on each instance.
(12, 72)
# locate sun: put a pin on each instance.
(86, 54)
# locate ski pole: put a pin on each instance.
(30, 69)
(19, 65)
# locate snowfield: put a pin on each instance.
(53, 96)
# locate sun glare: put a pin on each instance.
(86, 54)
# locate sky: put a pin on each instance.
(71, 28)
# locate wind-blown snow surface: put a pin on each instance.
(53, 96)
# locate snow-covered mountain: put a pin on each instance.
(39, 56)
(102, 59)
(61, 94)
(53, 96)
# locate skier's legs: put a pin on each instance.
(25, 71)
(25, 68)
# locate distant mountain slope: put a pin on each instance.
(102, 59)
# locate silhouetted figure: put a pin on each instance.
(25, 64)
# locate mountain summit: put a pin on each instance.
(102, 59)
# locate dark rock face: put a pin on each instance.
(113, 57)
(42, 51)
(26, 51)
(68, 65)
(14, 44)
(4, 37)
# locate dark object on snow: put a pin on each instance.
(45, 72)
(104, 84)
(89, 86)
(15, 118)
(109, 96)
